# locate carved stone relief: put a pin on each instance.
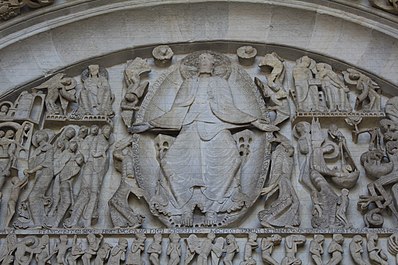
(199, 145)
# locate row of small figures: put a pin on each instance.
(218, 250)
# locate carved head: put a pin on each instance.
(63, 238)
(107, 130)
(44, 240)
(174, 237)
(79, 159)
(276, 239)
(319, 238)
(91, 238)
(39, 138)
(83, 131)
(253, 236)
(73, 146)
(2, 133)
(70, 133)
(357, 239)
(206, 63)
(123, 242)
(230, 239)
(94, 130)
(157, 237)
(338, 238)
(93, 69)
(211, 236)
(301, 128)
(9, 134)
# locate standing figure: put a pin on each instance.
(76, 252)
(118, 252)
(231, 249)
(306, 88)
(342, 206)
(206, 248)
(155, 249)
(292, 243)
(42, 251)
(94, 169)
(41, 165)
(93, 244)
(192, 248)
(96, 96)
(336, 249)
(267, 246)
(7, 157)
(376, 254)
(138, 246)
(66, 167)
(135, 88)
(333, 87)
(316, 249)
(17, 186)
(60, 249)
(8, 248)
(284, 210)
(102, 254)
(356, 250)
(250, 245)
(174, 250)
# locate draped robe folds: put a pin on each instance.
(204, 154)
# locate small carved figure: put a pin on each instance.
(163, 55)
(135, 88)
(76, 252)
(42, 251)
(246, 55)
(60, 249)
(376, 254)
(284, 210)
(102, 254)
(41, 165)
(369, 99)
(174, 250)
(306, 86)
(393, 246)
(60, 89)
(118, 252)
(356, 250)
(336, 249)
(316, 249)
(391, 109)
(7, 157)
(336, 92)
(138, 246)
(96, 96)
(267, 246)
(292, 243)
(17, 186)
(341, 212)
(192, 248)
(93, 244)
(231, 249)
(206, 248)
(8, 248)
(155, 249)
(25, 250)
(250, 245)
